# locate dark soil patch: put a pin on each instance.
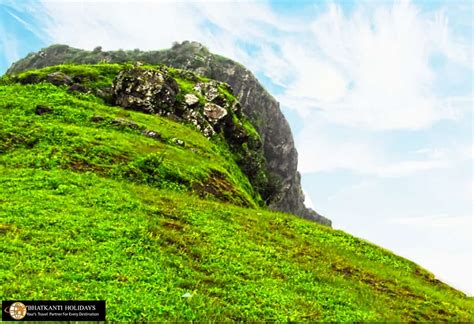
(217, 185)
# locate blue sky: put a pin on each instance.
(379, 95)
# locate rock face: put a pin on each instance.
(214, 113)
(155, 91)
(150, 91)
(254, 101)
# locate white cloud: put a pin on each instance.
(147, 25)
(372, 69)
(151, 25)
(440, 221)
(328, 151)
(405, 168)
(8, 45)
(455, 48)
(327, 155)
(315, 80)
(323, 149)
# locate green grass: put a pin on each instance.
(69, 235)
(91, 208)
(68, 138)
(93, 76)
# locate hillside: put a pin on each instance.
(166, 218)
(258, 106)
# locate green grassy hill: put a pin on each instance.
(93, 207)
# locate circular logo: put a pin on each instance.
(17, 310)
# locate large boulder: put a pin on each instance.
(59, 78)
(191, 100)
(214, 113)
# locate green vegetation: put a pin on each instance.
(92, 76)
(98, 202)
(97, 79)
(82, 134)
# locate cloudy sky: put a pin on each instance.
(379, 95)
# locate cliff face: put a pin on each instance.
(257, 105)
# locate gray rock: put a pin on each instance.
(146, 90)
(177, 141)
(76, 87)
(42, 109)
(209, 90)
(314, 216)
(152, 134)
(120, 122)
(191, 100)
(214, 113)
(58, 79)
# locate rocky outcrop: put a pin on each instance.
(253, 100)
(150, 91)
(155, 91)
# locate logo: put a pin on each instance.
(17, 310)
(53, 310)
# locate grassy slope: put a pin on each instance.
(87, 211)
